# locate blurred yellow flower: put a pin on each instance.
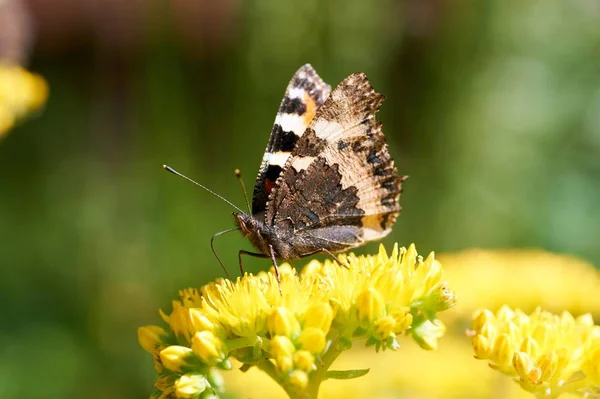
(21, 92)
(520, 278)
(295, 334)
(447, 373)
(546, 354)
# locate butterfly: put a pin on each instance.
(327, 182)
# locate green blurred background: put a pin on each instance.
(493, 109)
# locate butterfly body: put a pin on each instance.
(327, 182)
(284, 242)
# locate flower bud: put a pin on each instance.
(428, 333)
(384, 328)
(548, 364)
(304, 360)
(176, 357)
(313, 340)
(190, 385)
(442, 298)
(591, 365)
(531, 347)
(319, 315)
(200, 321)
(299, 379)
(281, 346)
(282, 350)
(284, 364)
(481, 347)
(180, 321)
(370, 306)
(503, 351)
(208, 347)
(523, 364)
(480, 318)
(403, 318)
(283, 322)
(151, 338)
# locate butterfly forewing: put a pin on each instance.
(339, 186)
(305, 93)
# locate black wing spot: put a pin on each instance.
(292, 106)
(372, 158)
(273, 172)
(342, 144)
(381, 171)
(282, 140)
(388, 202)
(358, 147)
(385, 220)
(390, 184)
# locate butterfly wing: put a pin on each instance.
(339, 187)
(305, 93)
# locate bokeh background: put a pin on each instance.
(493, 109)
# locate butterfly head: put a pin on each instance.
(247, 224)
(254, 230)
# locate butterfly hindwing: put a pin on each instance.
(339, 187)
(305, 93)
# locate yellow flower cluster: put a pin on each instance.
(21, 92)
(492, 278)
(294, 334)
(488, 278)
(546, 353)
(408, 373)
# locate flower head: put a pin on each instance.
(21, 92)
(295, 333)
(492, 278)
(547, 354)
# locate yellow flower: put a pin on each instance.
(313, 340)
(208, 347)
(21, 92)
(542, 351)
(200, 321)
(449, 372)
(520, 278)
(176, 358)
(190, 385)
(181, 322)
(283, 322)
(370, 306)
(304, 360)
(294, 334)
(319, 315)
(299, 379)
(152, 338)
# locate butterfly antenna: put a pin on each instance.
(170, 169)
(238, 174)
(212, 247)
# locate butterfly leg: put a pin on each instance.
(253, 254)
(274, 260)
(328, 252)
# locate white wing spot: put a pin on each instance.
(291, 123)
(302, 163)
(296, 92)
(277, 158)
(324, 128)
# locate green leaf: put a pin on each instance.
(345, 374)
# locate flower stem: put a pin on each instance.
(318, 376)
(271, 371)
